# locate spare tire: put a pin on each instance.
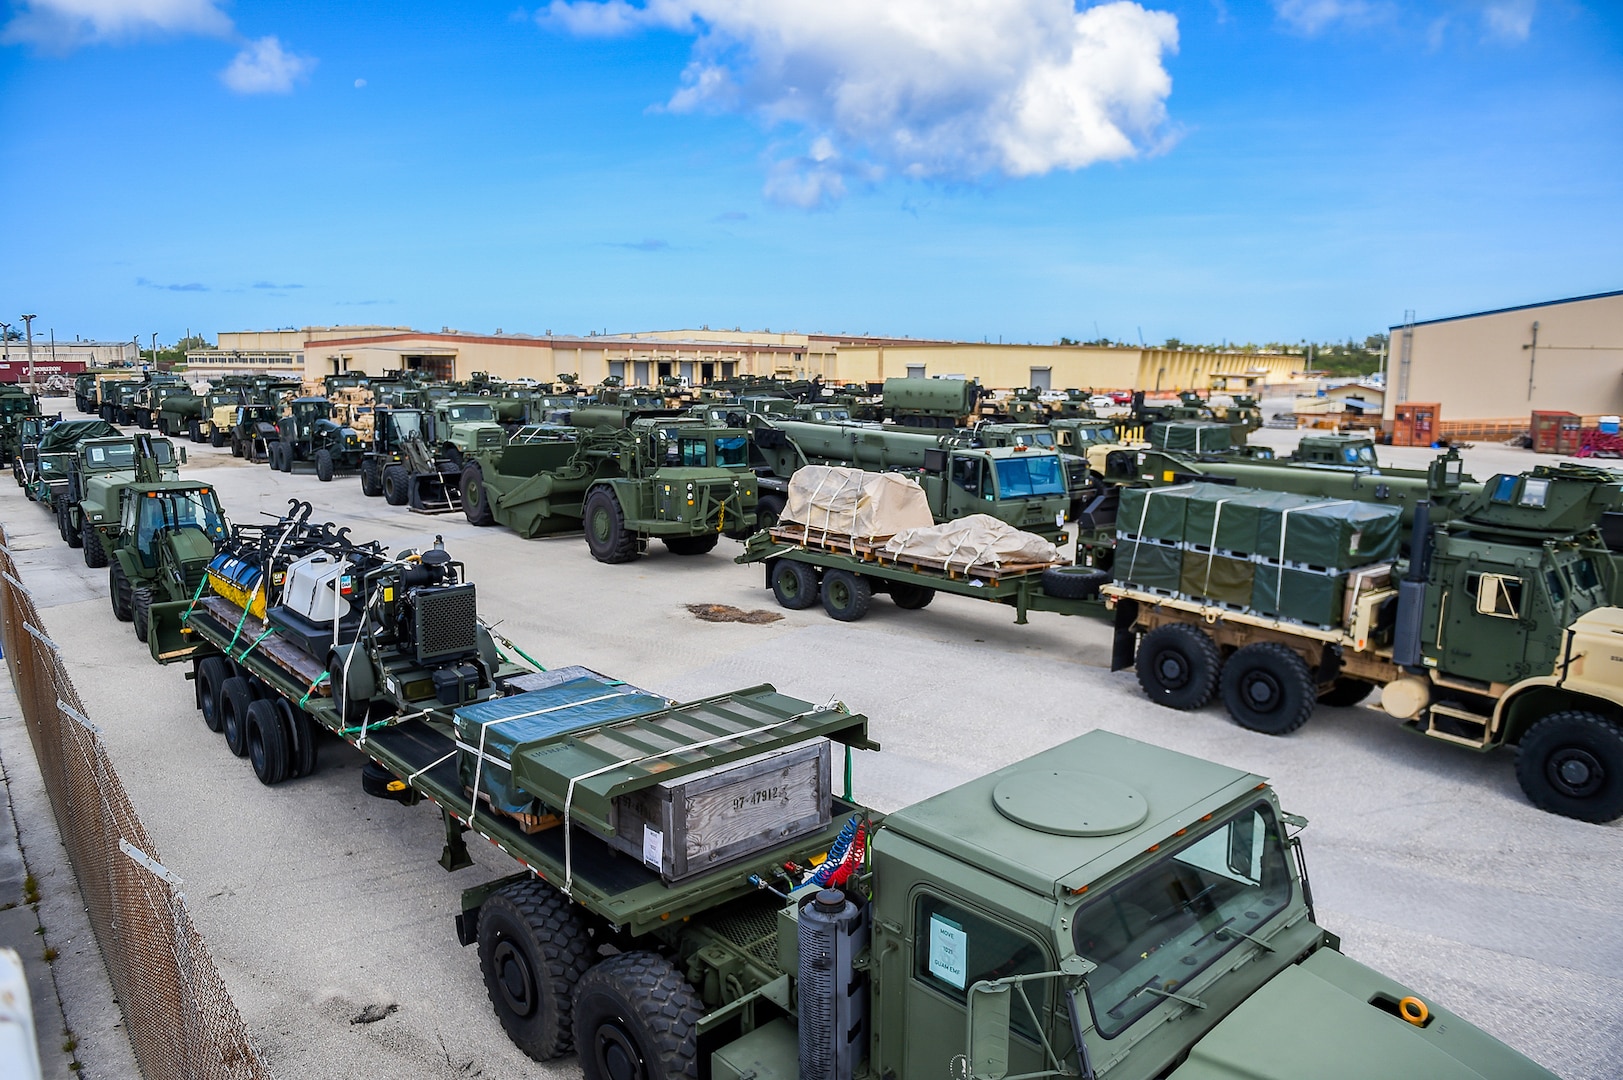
(1074, 582)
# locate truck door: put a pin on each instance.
(965, 489)
(952, 947)
(1485, 626)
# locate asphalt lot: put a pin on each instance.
(317, 901)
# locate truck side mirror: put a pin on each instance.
(989, 1007)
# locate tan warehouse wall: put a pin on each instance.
(1080, 366)
(1478, 368)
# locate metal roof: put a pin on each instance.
(1515, 307)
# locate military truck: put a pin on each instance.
(674, 479)
(1023, 486)
(116, 398)
(930, 403)
(84, 391)
(1104, 905)
(1494, 631)
(407, 466)
(30, 430)
(147, 403)
(52, 459)
(16, 404)
(161, 549)
(308, 435)
(87, 508)
(1080, 482)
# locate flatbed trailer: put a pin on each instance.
(803, 565)
(584, 770)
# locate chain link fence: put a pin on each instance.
(181, 1021)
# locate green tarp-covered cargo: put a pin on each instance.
(1155, 567)
(1160, 513)
(1331, 535)
(1218, 579)
(1304, 596)
(1198, 436)
(1231, 519)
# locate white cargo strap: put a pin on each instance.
(484, 730)
(1211, 548)
(1284, 528)
(569, 795)
(1143, 516)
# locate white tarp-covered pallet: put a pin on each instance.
(835, 501)
(977, 540)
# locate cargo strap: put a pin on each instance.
(1211, 548)
(1143, 516)
(491, 630)
(484, 730)
(253, 644)
(184, 615)
(323, 677)
(1284, 529)
(569, 795)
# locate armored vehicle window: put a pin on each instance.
(1035, 438)
(1534, 493)
(732, 450)
(1584, 575)
(1504, 488)
(1174, 919)
(460, 413)
(406, 425)
(1558, 591)
(695, 452)
(1496, 594)
(1030, 476)
(954, 949)
(966, 473)
(114, 457)
(162, 451)
(179, 510)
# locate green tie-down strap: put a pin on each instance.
(184, 615)
(305, 700)
(255, 642)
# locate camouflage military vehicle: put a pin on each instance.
(1493, 631)
(87, 508)
(161, 549)
(675, 479)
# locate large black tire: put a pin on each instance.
(606, 534)
(1074, 582)
(90, 541)
(768, 510)
(475, 499)
(267, 742)
(70, 531)
(1571, 763)
(300, 732)
(1178, 666)
(236, 446)
(1346, 693)
(533, 949)
(235, 697)
(286, 457)
(846, 595)
(17, 471)
(324, 465)
(194, 430)
(1267, 687)
(118, 591)
(212, 673)
(911, 596)
(692, 545)
(141, 611)
(217, 440)
(636, 1018)
(371, 477)
(794, 584)
(396, 485)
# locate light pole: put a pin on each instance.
(5, 337)
(154, 350)
(28, 324)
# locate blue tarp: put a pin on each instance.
(576, 698)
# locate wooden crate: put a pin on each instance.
(706, 820)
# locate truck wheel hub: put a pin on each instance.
(1577, 772)
(514, 978)
(616, 1053)
(1261, 691)
(1173, 671)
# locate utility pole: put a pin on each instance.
(5, 337)
(154, 350)
(28, 323)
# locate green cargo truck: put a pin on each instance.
(1104, 907)
(1493, 631)
(98, 471)
(161, 549)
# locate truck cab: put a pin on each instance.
(1025, 488)
(1338, 451)
(1104, 908)
(463, 426)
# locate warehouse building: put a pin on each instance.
(1563, 355)
(705, 355)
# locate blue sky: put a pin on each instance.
(954, 168)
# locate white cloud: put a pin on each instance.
(67, 23)
(1311, 16)
(1510, 19)
(927, 88)
(360, 84)
(264, 67)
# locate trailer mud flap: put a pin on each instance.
(1124, 649)
(168, 637)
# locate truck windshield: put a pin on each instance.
(1174, 919)
(732, 450)
(406, 425)
(116, 456)
(1035, 475)
(469, 413)
(1359, 455)
(1044, 439)
(179, 510)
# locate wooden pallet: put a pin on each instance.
(873, 550)
(279, 652)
